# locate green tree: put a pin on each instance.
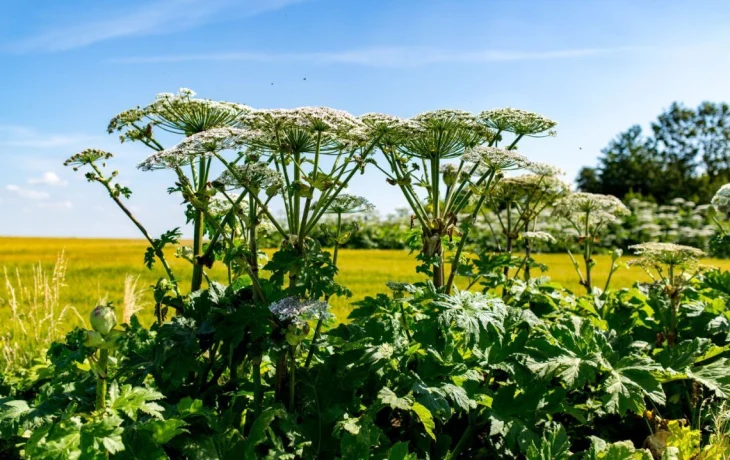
(686, 154)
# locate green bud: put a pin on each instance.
(295, 333)
(111, 341)
(449, 175)
(272, 190)
(616, 254)
(103, 319)
(93, 339)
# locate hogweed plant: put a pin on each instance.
(342, 204)
(672, 267)
(419, 152)
(182, 114)
(94, 161)
(518, 201)
(589, 214)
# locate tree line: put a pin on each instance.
(685, 154)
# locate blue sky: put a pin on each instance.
(596, 67)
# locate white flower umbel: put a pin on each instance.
(721, 200)
(544, 169)
(251, 176)
(674, 267)
(495, 158)
(443, 134)
(589, 212)
(180, 113)
(349, 204)
(667, 253)
(296, 310)
(203, 144)
(540, 236)
(517, 121)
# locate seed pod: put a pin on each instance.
(103, 319)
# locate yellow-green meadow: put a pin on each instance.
(96, 269)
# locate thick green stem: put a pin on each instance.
(674, 300)
(508, 246)
(463, 441)
(198, 232)
(342, 184)
(257, 393)
(292, 377)
(297, 198)
(528, 253)
(320, 320)
(457, 257)
(253, 260)
(280, 376)
(101, 383)
(160, 255)
(405, 322)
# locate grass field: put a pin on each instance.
(97, 268)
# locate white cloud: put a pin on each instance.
(27, 193)
(25, 137)
(147, 18)
(61, 205)
(397, 56)
(48, 178)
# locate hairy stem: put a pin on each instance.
(320, 320)
(101, 383)
(160, 255)
(198, 232)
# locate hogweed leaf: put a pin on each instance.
(389, 398)
(554, 445)
(629, 381)
(131, 400)
(424, 415)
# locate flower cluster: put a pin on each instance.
(294, 310)
(590, 210)
(349, 204)
(496, 159)
(202, 144)
(251, 176)
(315, 119)
(517, 121)
(445, 119)
(667, 254)
(544, 169)
(530, 185)
(306, 129)
(86, 157)
(180, 113)
(220, 205)
(721, 200)
(540, 236)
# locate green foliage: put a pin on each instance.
(252, 369)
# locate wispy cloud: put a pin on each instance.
(24, 137)
(398, 56)
(27, 193)
(145, 18)
(58, 206)
(48, 178)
